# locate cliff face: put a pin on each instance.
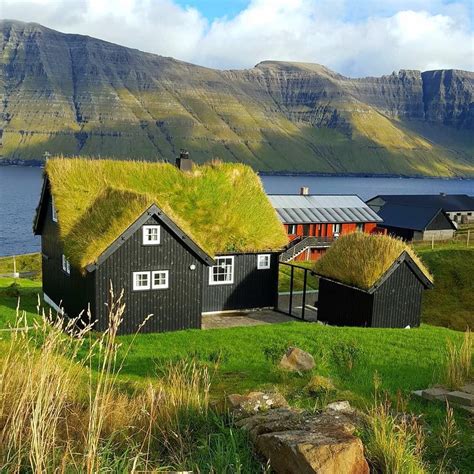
(73, 94)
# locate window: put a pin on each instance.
(337, 228)
(263, 261)
(141, 280)
(291, 229)
(151, 234)
(159, 279)
(54, 214)
(65, 264)
(360, 227)
(223, 272)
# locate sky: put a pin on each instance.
(353, 37)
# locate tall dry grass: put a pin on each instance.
(61, 408)
(458, 361)
(394, 442)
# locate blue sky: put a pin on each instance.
(353, 37)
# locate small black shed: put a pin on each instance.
(392, 300)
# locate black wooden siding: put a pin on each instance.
(252, 288)
(178, 307)
(396, 303)
(74, 292)
(342, 305)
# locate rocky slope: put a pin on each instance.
(74, 94)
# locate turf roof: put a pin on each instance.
(360, 259)
(221, 206)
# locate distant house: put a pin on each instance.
(179, 241)
(381, 287)
(313, 221)
(458, 207)
(412, 222)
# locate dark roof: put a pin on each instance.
(409, 217)
(447, 202)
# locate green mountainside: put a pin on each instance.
(72, 94)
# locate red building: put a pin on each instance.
(313, 221)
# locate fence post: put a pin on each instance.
(432, 242)
(304, 293)
(467, 240)
(292, 273)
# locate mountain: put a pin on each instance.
(72, 94)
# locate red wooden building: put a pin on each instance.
(313, 221)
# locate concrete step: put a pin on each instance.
(435, 393)
(461, 398)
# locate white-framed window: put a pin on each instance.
(223, 272)
(65, 264)
(151, 234)
(291, 229)
(360, 227)
(54, 214)
(337, 228)
(141, 281)
(160, 279)
(263, 261)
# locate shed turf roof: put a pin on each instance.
(410, 217)
(336, 208)
(221, 206)
(360, 259)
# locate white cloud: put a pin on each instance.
(355, 38)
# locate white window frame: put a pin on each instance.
(65, 265)
(140, 287)
(359, 226)
(232, 266)
(54, 213)
(162, 286)
(264, 261)
(146, 235)
(292, 227)
(337, 227)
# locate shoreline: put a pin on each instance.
(315, 174)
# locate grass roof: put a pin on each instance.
(221, 206)
(360, 259)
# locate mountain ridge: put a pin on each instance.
(73, 94)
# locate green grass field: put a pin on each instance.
(243, 359)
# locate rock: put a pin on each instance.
(469, 388)
(304, 452)
(462, 398)
(298, 442)
(319, 384)
(435, 393)
(468, 409)
(417, 393)
(254, 402)
(297, 360)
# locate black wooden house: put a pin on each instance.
(393, 300)
(92, 238)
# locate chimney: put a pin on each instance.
(304, 190)
(184, 163)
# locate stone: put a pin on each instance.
(469, 388)
(461, 398)
(299, 442)
(468, 409)
(304, 452)
(297, 360)
(254, 402)
(417, 393)
(435, 393)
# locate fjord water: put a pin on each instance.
(20, 189)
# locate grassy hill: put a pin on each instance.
(76, 95)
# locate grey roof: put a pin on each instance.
(447, 202)
(299, 209)
(410, 217)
